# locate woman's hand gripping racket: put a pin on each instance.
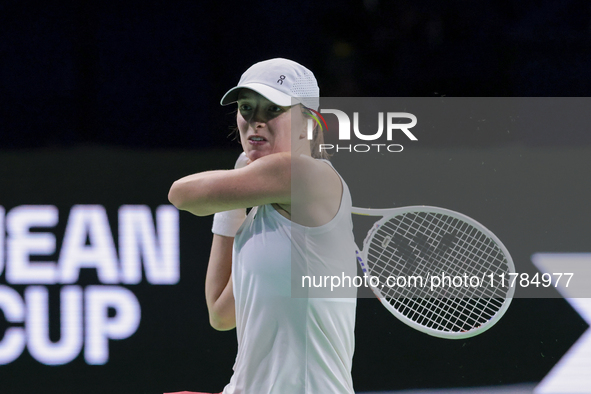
(437, 270)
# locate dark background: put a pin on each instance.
(150, 74)
(125, 95)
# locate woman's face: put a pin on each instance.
(264, 126)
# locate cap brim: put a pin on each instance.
(268, 92)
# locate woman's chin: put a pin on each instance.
(257, 154)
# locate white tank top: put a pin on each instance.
(289, 345)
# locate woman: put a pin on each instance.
(300, 226)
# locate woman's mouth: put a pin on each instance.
(256, 140)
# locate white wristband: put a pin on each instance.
(227, 223)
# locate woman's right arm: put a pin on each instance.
(264, 181)
(219, 294)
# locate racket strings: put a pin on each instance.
(433, 313)
(486, 258)
(404, 249)
(443, 315)
(449, 268)
(385, 268)
(456, 253)
(426, 244)
(437, 313)
(447, 314)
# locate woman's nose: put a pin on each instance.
(258, 116)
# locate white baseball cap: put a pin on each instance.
(282, 81)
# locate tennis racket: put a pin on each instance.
(437, 270)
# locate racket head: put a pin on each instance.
(429, 242)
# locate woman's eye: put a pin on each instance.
(275, 108)
(244, 107)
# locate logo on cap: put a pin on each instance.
(281, 78)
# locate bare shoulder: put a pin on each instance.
(315, 177)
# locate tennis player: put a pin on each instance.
(292, 338)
